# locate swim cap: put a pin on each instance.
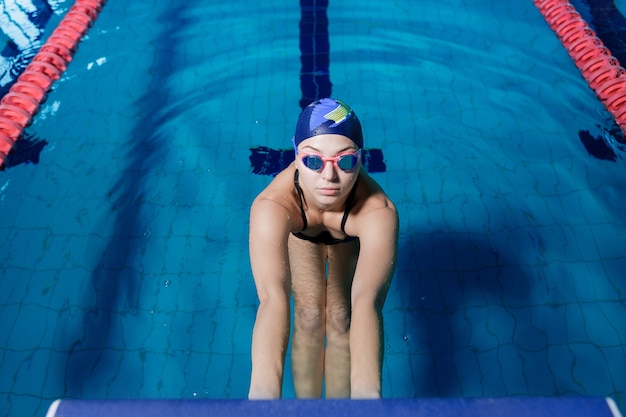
(328, 116)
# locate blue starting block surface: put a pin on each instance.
(436, 407)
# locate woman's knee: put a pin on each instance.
(337, 322)
(309, 319)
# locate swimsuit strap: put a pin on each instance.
(349, 202)
(299, 190)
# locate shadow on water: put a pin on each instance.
(115, 281)
(458, 290)
(26, 151)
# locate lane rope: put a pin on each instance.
(602, 71)
(22, 102)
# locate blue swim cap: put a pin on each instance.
(328, 116)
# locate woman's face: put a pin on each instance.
(329, 186)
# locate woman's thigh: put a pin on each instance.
(307, 262)
(342, 260)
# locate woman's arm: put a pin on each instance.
(378, 235)
(269, 230)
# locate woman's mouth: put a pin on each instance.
(328, 191)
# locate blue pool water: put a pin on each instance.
(123, 250)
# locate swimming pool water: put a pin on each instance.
(123, 251)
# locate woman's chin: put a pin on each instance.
(327, 202)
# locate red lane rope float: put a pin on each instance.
(602, 71)
(22, 102)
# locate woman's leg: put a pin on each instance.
(342, 261)
(308, 285)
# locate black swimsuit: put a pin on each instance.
(324, 237)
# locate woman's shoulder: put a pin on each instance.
(280, 192)
(370, 195)
(373, 215)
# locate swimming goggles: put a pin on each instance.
(345, 161)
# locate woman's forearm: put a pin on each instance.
(269, 344)
(366, 340)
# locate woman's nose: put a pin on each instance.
(329, 171)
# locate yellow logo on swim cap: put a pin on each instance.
(339, 114)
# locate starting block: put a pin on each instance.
(428, 407)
